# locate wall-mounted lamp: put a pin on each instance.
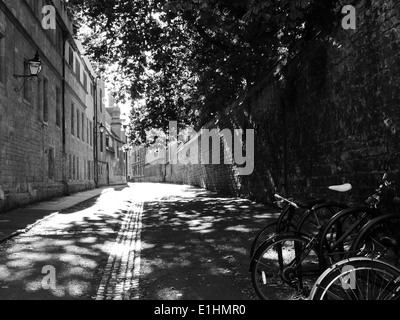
(35, 66)
(101, 128)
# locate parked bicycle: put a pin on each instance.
(287, 265)
(379, 239)
(304, 215)
(341, 231)
(285, 221)
(371, 275)
(358, 278)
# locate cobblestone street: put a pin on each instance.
(143, 242)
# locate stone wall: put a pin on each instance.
(343, 111)
(30, 146)
(332, 118)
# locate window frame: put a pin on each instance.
(58, 106)
(72, 118)
(45, 101)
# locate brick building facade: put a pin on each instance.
(47, 124)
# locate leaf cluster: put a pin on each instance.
(186, 60)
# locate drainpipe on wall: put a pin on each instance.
(126, 166)
(95, 149)
(64, 151)
(108, 174)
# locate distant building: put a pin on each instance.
(115, 140)
(137, 162)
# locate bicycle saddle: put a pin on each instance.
(341, 188)
(308, 203)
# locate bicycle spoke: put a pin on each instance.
(371, 280)
(330, 293)
(281, 269)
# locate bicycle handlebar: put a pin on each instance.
(375, 198)
(278, 197)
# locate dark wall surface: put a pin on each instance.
(331, 116)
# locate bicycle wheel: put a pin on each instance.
(282, 224)
(374, 239)
(358, 278)
(265, 233)
(315, 219)
(340, 232)
(288, 220)
(283, 268)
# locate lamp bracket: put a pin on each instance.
(24, 76)
(20, 88)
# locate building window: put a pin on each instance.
(91, 88)
(71, 57)
(101, 100)
(83, 127)
(72, 118)
(78, 124)
(87, 131)
(84, 170)
(77, 169)
(85, 81)
(78, 69)
(59, 38)
(58, 106)
(2, 59)
(73, 168)
(108, 141)
(45, 101)
(38, 97)
(70, 167)
(91, 132)
(27, 86)
(51, 163)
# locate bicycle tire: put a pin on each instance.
(270, 267)
(285, 220)
(339, 233)
(265, 233)
(370, 241)
(315, 219)
(357, 278)
(284, 223)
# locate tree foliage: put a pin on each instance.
(186, 60)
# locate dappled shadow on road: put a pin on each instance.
(120, 187)
(195, 245)
(76, 245)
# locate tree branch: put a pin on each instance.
(212, 41)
